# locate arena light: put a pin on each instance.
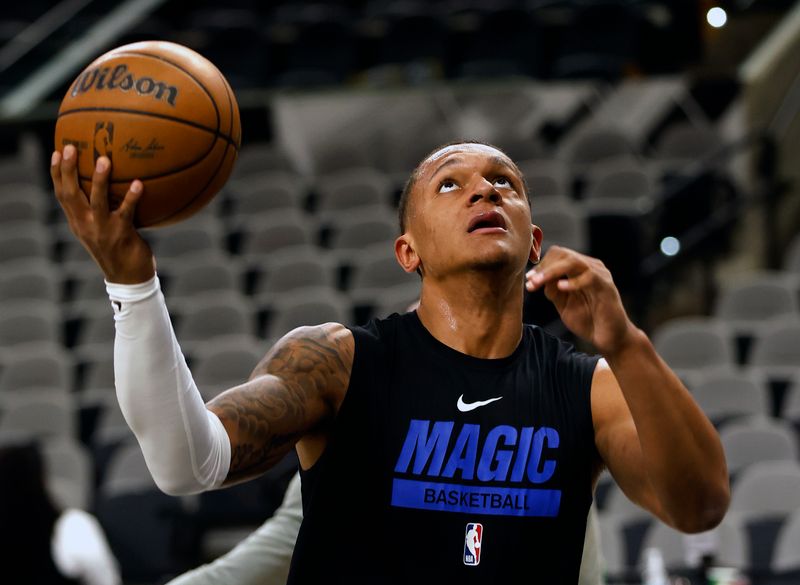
(717, 17)
(670, 246)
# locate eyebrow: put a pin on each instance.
(496, 160)
(451, 161)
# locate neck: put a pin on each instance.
(476, 314)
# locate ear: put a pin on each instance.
(405, 253)
(536, 244)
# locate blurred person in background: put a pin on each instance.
(41, 544)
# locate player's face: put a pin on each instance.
(469, 211)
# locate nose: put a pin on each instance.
(485, 190)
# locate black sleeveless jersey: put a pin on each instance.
(446, 468)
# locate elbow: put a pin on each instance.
(176, 486)
(707, 510)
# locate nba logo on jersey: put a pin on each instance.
(472, 544)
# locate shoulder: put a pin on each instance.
(563, 357)
(380, 329)
(329, 347)
(329, 343)
(551, 345)
(333, 334)
(318, 359)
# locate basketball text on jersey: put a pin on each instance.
(472, 544)
(501, 466)
(100, 78)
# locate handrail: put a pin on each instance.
(787, 111)
(64, 65)
(39, 30)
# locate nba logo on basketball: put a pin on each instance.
(472, 544)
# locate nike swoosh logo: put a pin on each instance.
(466, 407)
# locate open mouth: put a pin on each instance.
(488, 220)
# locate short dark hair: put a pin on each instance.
(405, 196)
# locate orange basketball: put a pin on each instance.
(163, 114)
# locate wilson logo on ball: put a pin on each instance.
(120, 78)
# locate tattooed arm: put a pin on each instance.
(190, 447)
(291, 396)
(186, 445)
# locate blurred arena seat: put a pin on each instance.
(302, 233)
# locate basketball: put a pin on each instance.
(163, 114)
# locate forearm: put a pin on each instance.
(263, 558)
(185, 446)
(681, 451)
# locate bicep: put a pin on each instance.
(297, 387)
(618, 441)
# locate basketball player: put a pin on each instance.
(263, 557)
(452, 415)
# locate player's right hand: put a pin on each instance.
(109, 236)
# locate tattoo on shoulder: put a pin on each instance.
(296, 387)
(320, 352)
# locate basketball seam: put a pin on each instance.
(187, 72)
(221, 161)
(231, 101)
(211, 131)
(219, 165)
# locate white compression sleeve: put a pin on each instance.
(186, 448)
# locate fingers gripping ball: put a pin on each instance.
(163, 114)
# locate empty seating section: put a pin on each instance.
(750, 442)
(352, 190)
(264, 193)
(39, 367)
(31, 282)
(294, 271)
(23, 243)
(204, 277)
(265, 240)
(310, 307)
(69, 467)
(746, 306)
(726, 394)
(214, 320)
(786, 558)
(693, 344)
(563, 223)
(310, 44)
(620, 179)
(545, 177)
(762, 499)
(792, 262)
(219, 368)
(303, 234)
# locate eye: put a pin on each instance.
(502, 182)
(447, 186)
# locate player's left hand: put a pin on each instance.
(585, 296)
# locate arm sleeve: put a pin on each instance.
(263, 558)
(186, 448)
